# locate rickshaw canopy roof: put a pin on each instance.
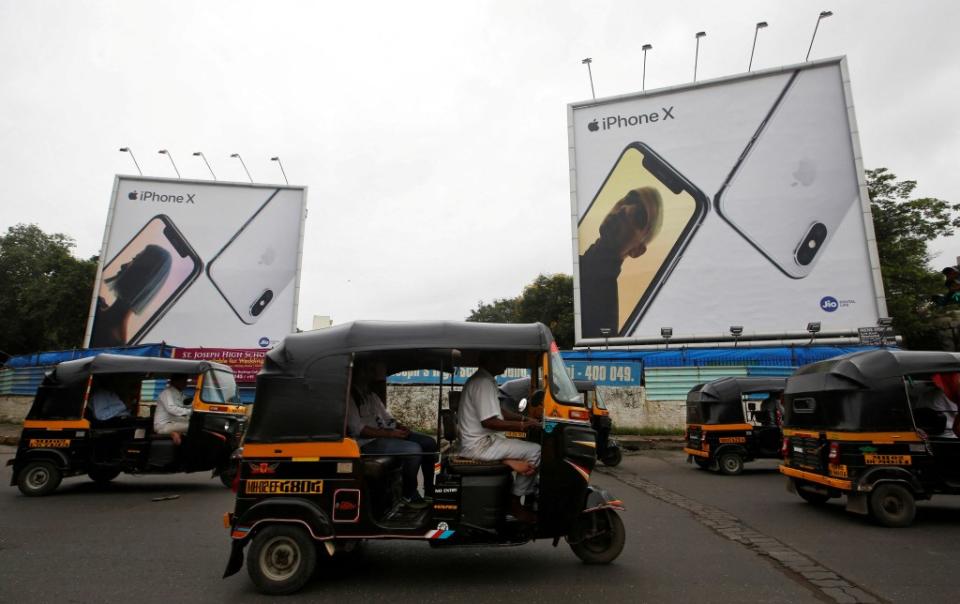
(298, 351)
(866, 368)
(732, 389)
(70, 372)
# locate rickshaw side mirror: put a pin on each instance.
(522, 406)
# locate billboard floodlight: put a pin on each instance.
(823, 15)
(167, 153)
(237, 155)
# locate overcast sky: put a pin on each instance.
(432, 135)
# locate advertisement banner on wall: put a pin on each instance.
(732, 202)
(246, 363)
(198, 263)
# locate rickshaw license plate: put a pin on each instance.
(284, 487)
(872, 459)
(838, 471)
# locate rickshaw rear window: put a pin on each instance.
(804, 405)
(561, 386)
(220, 387)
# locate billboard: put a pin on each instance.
(198, 263)
(731, 202)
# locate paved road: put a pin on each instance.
(113, 544)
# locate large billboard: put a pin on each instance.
(198, 263)
(737, 202)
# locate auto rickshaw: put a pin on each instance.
(879, 427)
(608, 449)
(305, 491)
(726, 429)
(61, 437)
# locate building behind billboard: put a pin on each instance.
(732, 202)
(198, 263)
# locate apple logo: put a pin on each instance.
(592, 126)
(805, 173)
(132, 195)
(268, 256)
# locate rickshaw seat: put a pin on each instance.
(464, 466)
(375, 467)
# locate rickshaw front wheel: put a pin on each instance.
(227, 476)
(39, 478)
(702, 463)
(281, 559)
(606, 545)
(613, 457)
(892, 505)
(809, 495)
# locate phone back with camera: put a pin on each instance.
(796, 179)
(260, 260)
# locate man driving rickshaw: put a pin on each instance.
(726, 429)
(306, 489)
(876, 426)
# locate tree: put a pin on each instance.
(44, 291)
(548, 299)
(903, 229)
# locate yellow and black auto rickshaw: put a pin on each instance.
(879, 427)
(306, 492)
(61, 437)
(726, 427)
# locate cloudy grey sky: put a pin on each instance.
(432, 135)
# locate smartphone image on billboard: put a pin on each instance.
(260, 260)
(142, 282)
(796, 179)
(631, 236)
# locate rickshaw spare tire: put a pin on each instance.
(808, 495)
(892, 505)
(282, 558)
(102, 474)
(730, 463)
(613, 457)
(39, 478)
(604, 547)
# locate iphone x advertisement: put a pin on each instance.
(198, 264)
(734, 202)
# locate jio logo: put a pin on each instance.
(829, 304)
(264, 342)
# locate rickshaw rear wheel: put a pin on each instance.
(613, 457)
(730, 464)
(808, 495)
(101, 475)
(281, 559)
(892, 505)
(39, 478)
(605, 547)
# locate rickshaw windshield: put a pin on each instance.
(220, 387)
(561, 386)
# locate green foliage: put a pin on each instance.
(44, 291)
(903, 228)
(549, 300)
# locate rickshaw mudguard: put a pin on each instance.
(873, 476)
(235, 563)
(601, 499)
(283, 510)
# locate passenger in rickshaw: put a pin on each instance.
(481, 427)
(770, 411)
(934, 412)
(171, 416)
(113, 399)
(378, 432)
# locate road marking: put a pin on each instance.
(826, 583)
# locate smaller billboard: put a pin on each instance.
(198, 263)
(246, 363)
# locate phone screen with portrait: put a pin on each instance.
(627, 254)
(149, 274)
